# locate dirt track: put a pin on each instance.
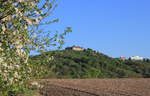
(96, 87)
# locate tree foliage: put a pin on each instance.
(20, 32)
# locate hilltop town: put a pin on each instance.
(134, 58)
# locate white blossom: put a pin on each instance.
(32, 4)
(20, 1)
(0, 44)
(16, 9)
(5, 65)
(29, 21)
(1, 60)
(8, 18)
(34, 83)
(40, 17)
(36, 21)
(1, 49)
(11, 80)
(3, 28)
(16, 74)
(17, 66)
(37, 13)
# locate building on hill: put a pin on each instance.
(76, 48)
(137, 58)
(122, 58)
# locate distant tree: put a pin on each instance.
(129, 59)
(147, 60)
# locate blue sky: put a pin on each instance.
(113, 27)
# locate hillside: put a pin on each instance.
(87, 64)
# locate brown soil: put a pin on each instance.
(96, 87)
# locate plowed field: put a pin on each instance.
(96, 87)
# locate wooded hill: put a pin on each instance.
(87, 64)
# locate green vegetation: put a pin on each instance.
(21, 33)
(89, 64)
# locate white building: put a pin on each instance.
(137, 58)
